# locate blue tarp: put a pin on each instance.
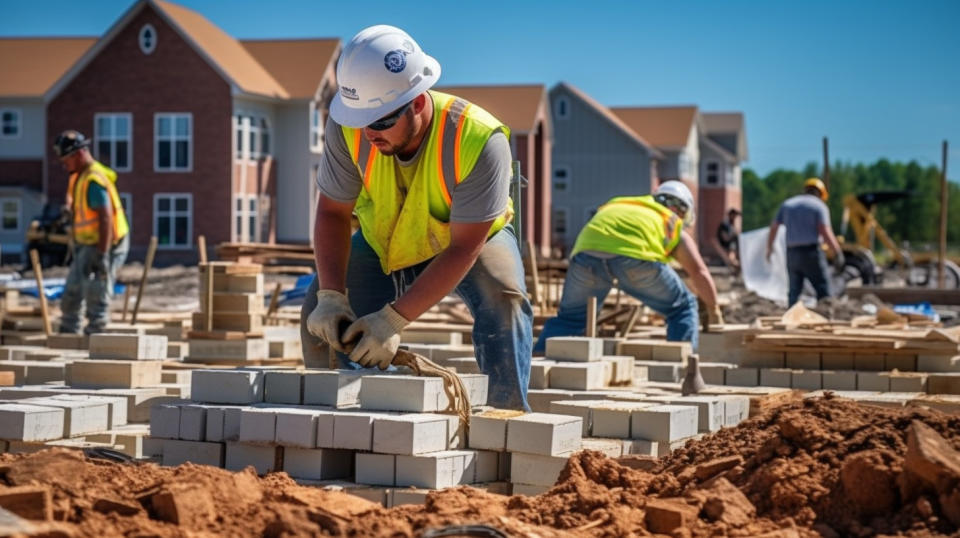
(924, 309)
(54, 291)
(295, 296)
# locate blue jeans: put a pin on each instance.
(807, 262)
(656, 284)
(493, 289)
(91, 279)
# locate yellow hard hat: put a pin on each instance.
(817, 184)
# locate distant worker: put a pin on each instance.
(428, 176)
(632, 239)
(807, 219)
(727, 241)
(100, 235)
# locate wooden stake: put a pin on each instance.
(151, 250)
(202, 247)
(274, 300)
(592, 317)
(534, 274)
(126, 302)
(628, 326)
(208, 320)
(943, 220)
(38, 273)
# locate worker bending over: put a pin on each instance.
(427, 175)
(632, 239)
(807, 219)
(100, 234)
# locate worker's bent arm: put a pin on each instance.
(771, 237)
(446, 270)
(105, 223)
(689, 258)
(331, 243)
(826, 232)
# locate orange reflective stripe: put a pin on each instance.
(440, 128)
(356, 144)
(368, 169)
(456, 145)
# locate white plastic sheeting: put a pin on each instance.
(767, 279)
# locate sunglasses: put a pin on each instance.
(390, 120)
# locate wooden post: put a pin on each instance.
(202, 247)
(826, 163)
(38, 273)
(534, 275)
(208, 318)
(591, 317)
(631, 321)
(126, 302)
(151, 250)
(943, 220)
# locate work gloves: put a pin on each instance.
(101, 263)
(379, 337)
(839, 260)
(331, 311)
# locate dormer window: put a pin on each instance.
(148, 39)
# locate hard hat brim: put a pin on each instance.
(357, 118)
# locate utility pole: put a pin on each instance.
(826, 163)
(943, 219)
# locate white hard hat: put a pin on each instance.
(381, 69)
(679, 190)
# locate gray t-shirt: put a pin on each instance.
(802, 215)
(479, 197)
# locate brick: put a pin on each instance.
(211, 350)
(225, 301)
(24, 422)
(80, 417)
(68, 341)
(714, 373)
(177, 452)
(877, 381)
(128, 347)
(437, 470)
(775, 377)
(871, 363)
(908, 382)
(535, 469)
(193, 423)
(113, 374)
(165, 421)
(408, 496)
(410, 434)
(736, 409)
(574, 348)
(238, 386)
(34, 372)
(578, 408)
(234, 284)
(586, 376)
(317, 463)
(18, 353)
(239, 456)
(671, 351)
(334, 388)
(800, 360)
(539, 400)
(903, 363)
(298, 427)
(836, 361)
(456, 435)
(664, 422)
(742, 377)
(541, 433)
(612, 448)
(230, 321)
(807, 380)
(839, 380)
(283, 387)
(463, 365)
(402, 393)
(477, 386)
(640, 447)
(353, 430)
(623, 368)
(223, 423)
(325, 430)
(613, 419)
(750, 358)
(488, 431)
(666, 515)
(711, 410)
(258, 426)
(117, 406)
(540, 374)
(666, 372)
(376, 469)
(28, 502)
(139, 400)
(938, 363)
(943, 383)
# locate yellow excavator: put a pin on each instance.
(914, 269)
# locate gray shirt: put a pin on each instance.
(479, 197)
(802, 215)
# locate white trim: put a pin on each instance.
(18, 122)
(566, 178)
(315, 131)
(172, 138)
(243, 214)
(113, 139)
(126, 201)
(147, 49)
(249, 128)
(173, 213)
(557, 102)
(19, 213)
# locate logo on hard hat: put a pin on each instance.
(349, 93)
(395, 61)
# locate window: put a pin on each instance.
(255, 132)
(316, 127)
(713, 173)
(560, 221)
(684, 167)
(561, 176)
(9, 123)
(173, 143)
(561, 108)
(113, 140)
(10, 216)
(246, 211)
(126, 200)
(173, 220)
(148, 39)
(264, 137)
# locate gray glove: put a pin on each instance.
(839, 261)
(101, 263)
(379, 335)
(324, 322)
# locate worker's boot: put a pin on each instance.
(692, 382)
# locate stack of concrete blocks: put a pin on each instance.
(579, 363)
(664, 361)
(237, 316)
(44, 363)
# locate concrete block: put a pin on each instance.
(487, 467)
(353, 430)
(24, 422)
(402, 393)
(541, 433)
(463, 365)
(743, 377)
(641, 447)
(202, 349)
(375, 469)
(477, 386)
(128, 346)
(80, 416)
(431, 337)
(239, 386)
(671, 351)
(908, 382)
(117, 406)
(139, 400)
(536, 469)
(775, 377)
(258, 426)
(574, 348)
(247, 303)
(878, 381)
(265, 459)
(283, 387)
(539, 400)
(334, 388)
(868, 362)
(165, 421)
(578, 408)
(665, 372)
(943, 383)
(113, 374)
(807, 380)
(664, 422)
(193, 423)
(437, 470)
(530, 490)
(736, 409)
(839, 380)
(178, 377)
(540, 374)
(488, 431)
(623, 368)
(177, 452)
(711, 410)
(177, 350)
(19, 353)
(903, 363)
(613, 419)
(410, 434)
(298, 427)
(803, 360)
(714, 373)
(456, 436)
(586, 376)
(68, 341)
(408, 496)
(836, 361)
(284, 349)
(612, 448)
(223, 422)
(938, 363)
(317, 463)
(750, 358)
(325, 430)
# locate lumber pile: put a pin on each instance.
(287, 258)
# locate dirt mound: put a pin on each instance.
(817, 467)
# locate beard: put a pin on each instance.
(408, 134)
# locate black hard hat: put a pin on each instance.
(68, 142)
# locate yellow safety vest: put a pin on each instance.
(406, 224)
(633, 226)
(86, 226)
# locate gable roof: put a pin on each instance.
(611, 117)
(664, 127)
(518, 106)
(705, 141)
(30, 66)
(727, 123)
(299, 65)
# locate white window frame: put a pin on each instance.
(316, 128)
(565, 180)
(684, 165)
(566, 107)
(556, 219)
(718, 175)
(126, 201)
(153, 45)
(173, 213)
(19, 214)
(113, 138)
(244, 214)
(18, 122)
(172, 138)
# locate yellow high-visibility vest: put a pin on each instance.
(633, 226)
(86, 226)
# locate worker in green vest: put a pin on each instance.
(631, 240)
(427, 175)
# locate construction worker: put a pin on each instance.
(728, 238)
(807, 219)
(427, 175)
(632, 239)
(100, 234)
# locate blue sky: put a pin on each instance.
(880, 78)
